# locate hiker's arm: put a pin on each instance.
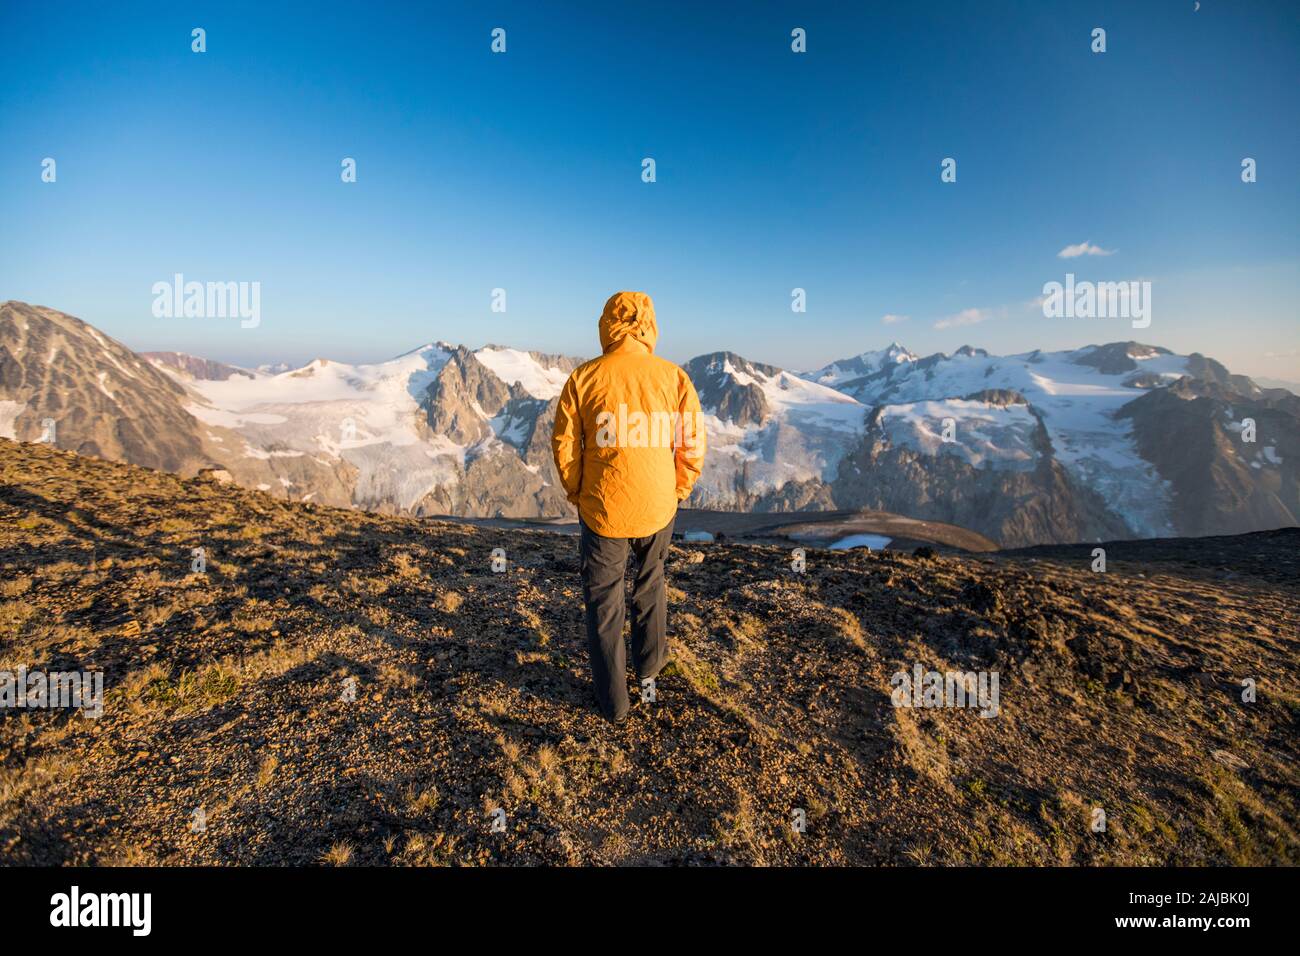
(689, 453)
(566, 441)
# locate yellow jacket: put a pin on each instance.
(629, 437)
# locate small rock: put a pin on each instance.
(219, 475)
(1229, 759)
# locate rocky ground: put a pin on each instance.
(346, 688)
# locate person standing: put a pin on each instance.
(629, 446)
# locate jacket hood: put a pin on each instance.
(628, 315)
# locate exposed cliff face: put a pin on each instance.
(1015, 502)
(1037, 432)
(1209, 371)
(499, 484)
(506, 428)
(1118, 357)
(729, 386)
(1195, 433)
(775, 438)
(463, 397)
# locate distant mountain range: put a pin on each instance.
(1103, 442)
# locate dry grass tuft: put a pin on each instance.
(340, 854)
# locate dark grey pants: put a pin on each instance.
(604, 568)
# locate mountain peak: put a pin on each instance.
(872, 362)
(438, 346)
(728, 363)
(1116, 357)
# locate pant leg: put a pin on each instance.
(604, 569)
(650, 603)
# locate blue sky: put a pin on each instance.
(775, 170)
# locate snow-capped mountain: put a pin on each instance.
(439, 429)
(1040, 446)
(845, 373)
(1118, 440)
(1073, 395)
(774, 438)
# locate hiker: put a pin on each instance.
(628, 444)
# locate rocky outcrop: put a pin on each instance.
(714, 377)
(1194, 433)
(192, 365)
(998, 397)
(1117, 357)
(1039, 505)
(461, 394)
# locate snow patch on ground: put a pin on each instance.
(9, 412)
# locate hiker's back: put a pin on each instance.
(643, 382)
(619, 426)
(630, 407)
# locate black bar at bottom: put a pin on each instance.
(333, 905)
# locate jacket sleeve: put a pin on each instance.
(566, 441)
(692, 442)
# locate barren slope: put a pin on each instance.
(101, 397)
(1118, 690)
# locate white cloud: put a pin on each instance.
(964, 317)
(1083, 249)
(892, 319)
